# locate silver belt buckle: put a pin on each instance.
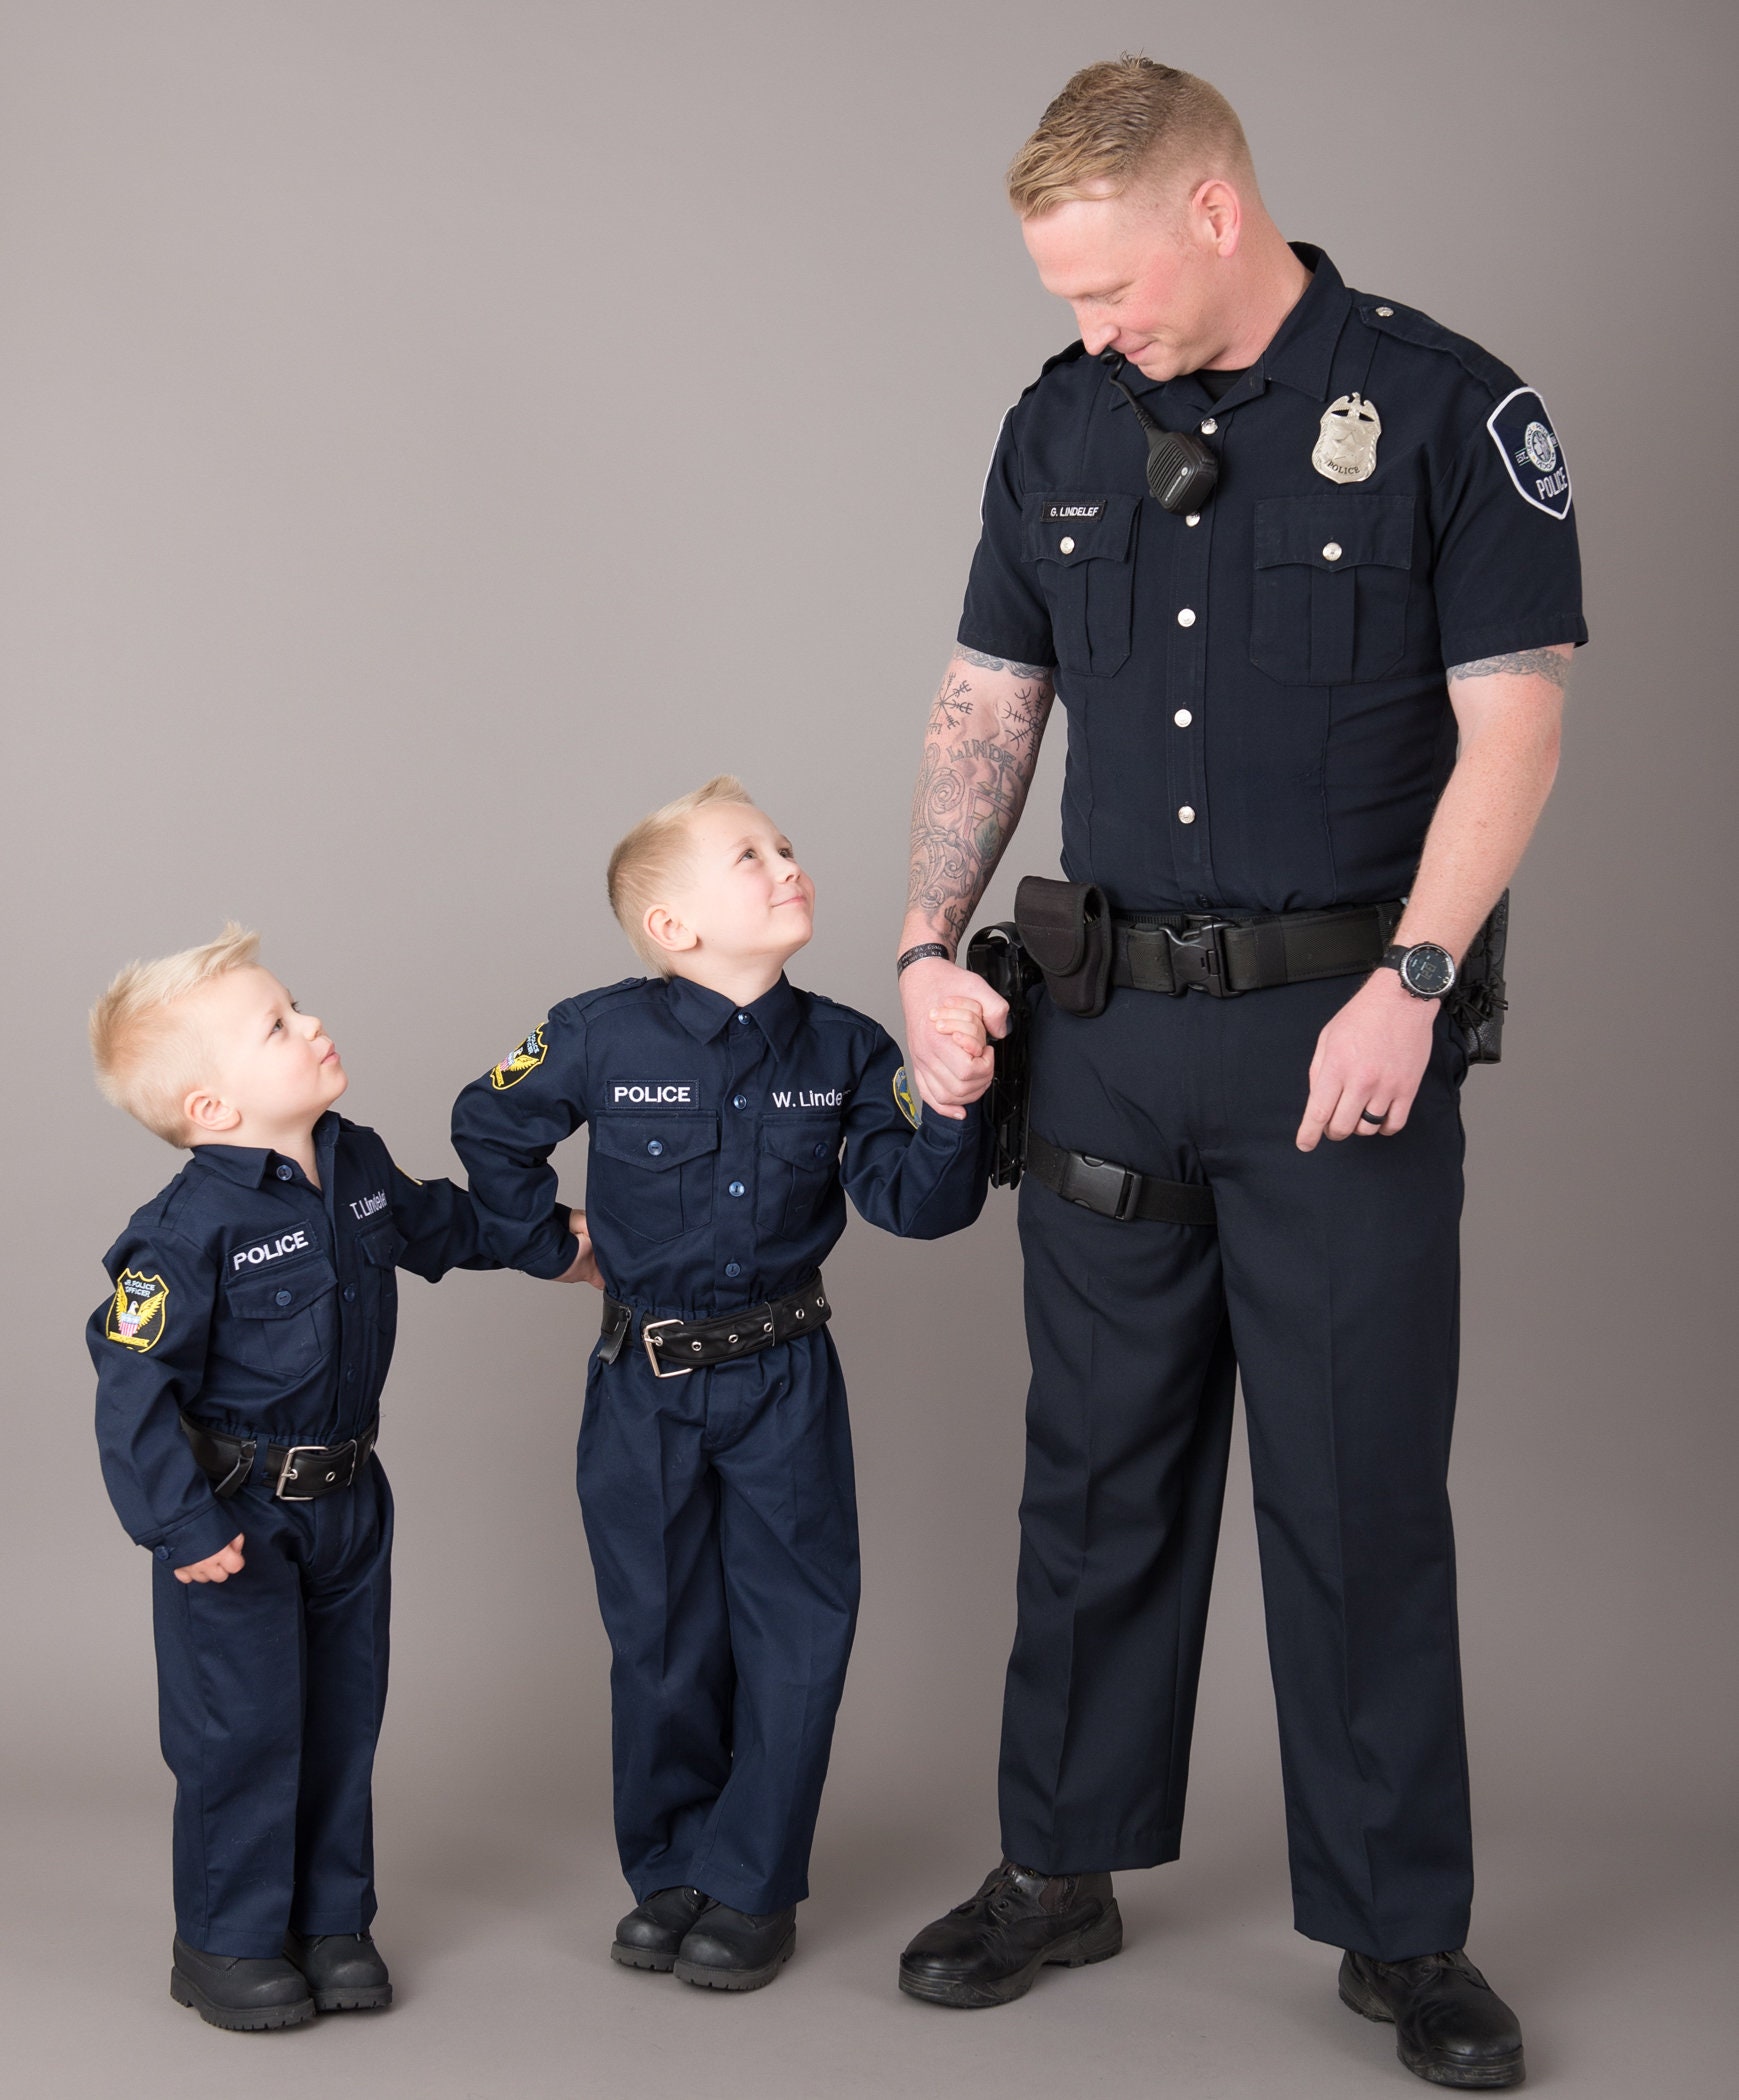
(648, 1328)
(289, 1466)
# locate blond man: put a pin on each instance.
(240, 1356)
(1300, 565)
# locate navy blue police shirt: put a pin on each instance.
(261, 1305)
(723, 1140)
(1257, 700)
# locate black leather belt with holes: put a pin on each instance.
(297, 1472)
(676, 1346)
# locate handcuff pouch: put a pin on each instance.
(1066, 929)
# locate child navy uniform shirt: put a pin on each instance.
(262, 1305)
(723, 1142)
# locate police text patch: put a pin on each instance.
(274, 1249)
(1523, 434)
(651, 1093)
(135, 1316)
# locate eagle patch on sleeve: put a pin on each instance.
(525, 1058)
(135, 1316)
(1528, 445)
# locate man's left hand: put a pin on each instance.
(1371, 1056)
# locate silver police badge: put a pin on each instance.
(1346, 446)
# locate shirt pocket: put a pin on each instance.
(653, 1175)
(1082, 547)
(799, 1170)
(283, 1324)
(1332, 579)
(381, 1247)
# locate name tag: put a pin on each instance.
(369, 1205)
(1060, 511)
(811, 1097)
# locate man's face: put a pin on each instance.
(742, 891)
(1140, 271)
(272, 1063)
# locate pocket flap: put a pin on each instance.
(383, 1245)
(280, 1292)
(1067, 528)
(1340, 529)
(656, 1143)
(808, 1143)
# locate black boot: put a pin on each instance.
(238, 1991)
(650, 1934)
(988, 1951)
(736, 1950)
(1450, 2025)
(344, 1970)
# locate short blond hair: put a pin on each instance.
(654, 856)
(148, 1055)
(1123, 121)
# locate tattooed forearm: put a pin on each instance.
(1001, 663)
(980, 747)
(1523, 663)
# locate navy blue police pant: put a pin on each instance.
(721, 1514)
(1329, 1287)
(270, 1692)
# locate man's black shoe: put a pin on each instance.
(237, 1991)
(987, 1951)
(1450, 2025)
(736, 1950)
(650, 1934)
(344, 1970)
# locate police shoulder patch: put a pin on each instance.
(1528, 446)
(526, 1057)
(910, 1106)
(136, 1312)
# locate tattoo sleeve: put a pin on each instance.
(981, 745)
(1524, 663)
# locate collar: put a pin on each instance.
(705, 1013)
(250, 1165)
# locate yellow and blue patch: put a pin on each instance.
(905, 1094)
(137, 1310)
(525, 1058)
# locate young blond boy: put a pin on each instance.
(729, 1114)
(240, 1358)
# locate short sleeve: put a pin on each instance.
(1005, 613)
(1508, 574)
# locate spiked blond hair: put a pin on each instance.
(654, 855)
(147, 1053)
(1123, 121)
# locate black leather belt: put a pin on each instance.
(675, 1347)
(1116, 1192)
(297, 1472)
(1157, 952)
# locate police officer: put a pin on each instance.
(1301, 567)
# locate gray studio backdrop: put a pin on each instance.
(433, 434)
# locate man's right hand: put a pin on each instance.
(216, 1567)
(944, 1070)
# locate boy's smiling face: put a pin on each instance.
(272, 1071)
(742, 898)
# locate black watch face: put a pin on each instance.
(1427, 970)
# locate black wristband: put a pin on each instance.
(922, 953)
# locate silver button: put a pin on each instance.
(1209, 427)
(1186, 618)
(1066, 545)
(1194, 518)
(1332, 551)
(1186, 815)
(1385, 313)
(1183, 718)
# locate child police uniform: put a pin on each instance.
(719, 1506)
(260, 1310)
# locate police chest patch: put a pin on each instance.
(526, 1058)
(910, 1106)
(135, 1318)
(1528, 445)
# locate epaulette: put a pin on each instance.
(583, 1002)
(1411, 326)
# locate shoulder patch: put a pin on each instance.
(136, 1312)
(525, 1058)
(910, 1106)
(1523, 434)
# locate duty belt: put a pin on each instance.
(297, 1472)
(1116, 1192)
(1160, 952)
(676, 1347)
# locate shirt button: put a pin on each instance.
(281, 1297)
(1209, 427)
(742, 1017)
(737, 1189)
(1186, 815)
(733, 1268)
(821, 1151)
(350, 1294)
(1183, 718)
(655, 1146)
(350, 1374)
(284, 1173)
(1186, 618)
(1065, 546)
(739, 1100)
(1332, 551)
(1194, 518)
(1386, 313)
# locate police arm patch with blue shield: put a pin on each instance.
(1528, 445)
(136, 1312)
(905, 1094)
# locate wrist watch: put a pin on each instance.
(1427, 970)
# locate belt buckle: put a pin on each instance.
(648, 1328)
(289, 1466)
(1128, 1186)
(1198, 960)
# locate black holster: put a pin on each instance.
(1477, 1004)
(1066, 929)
